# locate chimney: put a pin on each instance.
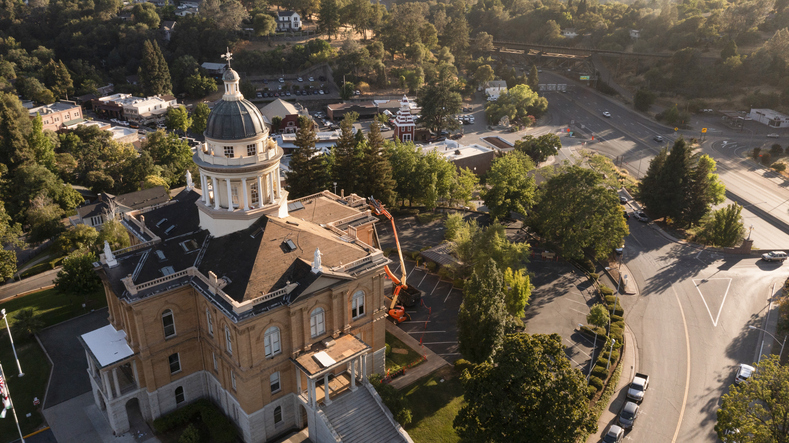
(213, 281)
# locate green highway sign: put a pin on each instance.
(584, 77)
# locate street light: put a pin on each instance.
(613, 341)
(335, 188)
(591, 358)
(771, 335)
(8, 328)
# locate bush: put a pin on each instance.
(190, 435)
(393, 399)
(778, 166)
(766, 158)
(599, 371)
(776, 150)
(431, 266)
(462, 364)
(756, 152)
(606, 291)
(596, 382)
(458, 283)
(616, 318)
(594, 276)
(587, 265)
(221, 429)
(388, 349)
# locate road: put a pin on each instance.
(691, 323)
(31, 283)
(629, 137)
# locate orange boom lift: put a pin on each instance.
(396, 312)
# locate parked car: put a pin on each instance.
(259, 95)
(620, 249)
(640, 216)
(300, 79)
(320, 91)
(471, 119)
(626, 215)
(311, 79)
(357, 92)
(744, 372)
(607, 114)
(773, 135)
(638, 387)
(281, 80)
(287, 93)
(658, 138)
(628, 415)
(615, 434)
(622, 199)
(774, 256)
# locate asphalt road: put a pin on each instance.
(691, 323)
(629, 137)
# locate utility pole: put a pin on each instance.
(6, 402)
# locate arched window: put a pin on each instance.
(271, 341)
(228, 341)
(278, 415)
(357, 304)
(317, 322)
(210, 322)
(168, 322)
(179, 395)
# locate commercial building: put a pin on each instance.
(58, 115)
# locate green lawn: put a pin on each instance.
(434, 405)
(395, 361)
(52, 308)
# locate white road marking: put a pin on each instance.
(434, 287)
(450, 291)
(440, 343)
(687, 367)
(423, 279)
(714, 320)
(425, 332)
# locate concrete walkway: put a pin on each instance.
(434, 361)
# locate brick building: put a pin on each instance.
(58, 115)
(273, 309)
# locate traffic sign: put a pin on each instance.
(703, 130)
(676, 129)
(584, 77)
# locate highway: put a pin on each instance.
(691, 316)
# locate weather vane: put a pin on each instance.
(228, 56)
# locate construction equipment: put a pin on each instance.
(396, 312)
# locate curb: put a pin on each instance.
(49, 380)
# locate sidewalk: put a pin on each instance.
(434, 361)
(629, 364)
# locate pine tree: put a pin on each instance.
(534, 79)
(329, 17)
(305, 163)
(14, 149)
(58, 79)
(346, 170)
(376, 168)
(650, 190)
(483, 316)
(154, 73)
(41, 145)
(676, 178)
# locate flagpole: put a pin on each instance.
(13, 409)
(8, 328)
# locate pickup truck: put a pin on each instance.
(638, 387)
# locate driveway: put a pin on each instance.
(69, 376)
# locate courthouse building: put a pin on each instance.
(272, 308)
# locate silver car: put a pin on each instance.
(628, 415)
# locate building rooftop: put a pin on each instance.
(452, 150)
(107, 345)
(328, 353)
(54, 107)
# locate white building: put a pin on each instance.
(288, 21)
(494, 88)
(145, 110)
(770, 118)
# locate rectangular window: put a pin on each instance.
(175, 363)
(234, 192)
(228, 342)
(233, 379)
(216, 365)
(229, 152)
(251, 151)
(254, 192)
(274, 381)
(210, 323)
(278, 415)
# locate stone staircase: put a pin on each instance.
(361, 417)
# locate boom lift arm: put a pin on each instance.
(396, 312)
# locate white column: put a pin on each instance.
(229, 196)
(298, 381)
(136, 375)
(364, 367)
(115, 381)
(90, 363)
(204, 187)
(106, 381)
(216, 194)
(246, 198)
(270, 181)
(311, 392)
(353, 375)
(261, 195)
(276, 178)
(326, 399)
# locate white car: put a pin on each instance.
(744, 372)
(312, 79)
(774, 256)
(773, 135)
(281, 80)
(300, 79)
(607, 114)
(471, 119)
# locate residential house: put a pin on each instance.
(167, 28)
(635, 33)
(569, 33)
(110, 106)
(288, 21)
(148, 109)
(289, 113)
(95, 214)
(58, 115)
(476, 158)
(272, 309)
(494, 88)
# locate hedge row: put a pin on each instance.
(220, 428)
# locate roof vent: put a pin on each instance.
(167, 231)
(160, 254)
(160, 222)
(289, 245)
(295, 206)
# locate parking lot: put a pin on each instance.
(292, 86)
(434, 321)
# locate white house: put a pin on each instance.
(288, 21)
(494, 88)
(144, 110)
(635, 33)
(569, 33)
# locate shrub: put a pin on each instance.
(388, 349)
(599, 371)
(431, 266)
(594, 276)
(190, 435)
(458, 283)
(766, 158)
(587, 265)
(616, 318)
(783, 316)
(776, 150)
(756, 152)
(393, 399)
(778, 166)
(462, 364)
(606, 291)
(596, 382)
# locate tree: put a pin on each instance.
(264, 25)
(305, 163)
(483, 74)
(518, 290)
(44, 217)
(517, 103)
(483, 42)
(529, 393)
(347, 156)
(643, 99)
(146, 13)
(177, 119)
(115, 234)
(723, 227)
(172, 154)
(329, 17)
(393, 399)
(598, 315)
(539, 148)
(77, 276)
(533, 82)
(182, 68)
(730, 50)
(276, 122)
(154, 73)
(200, 118)
(376, 167)
(757, 408)
(463, 184)
(577, 213)
(58, 79)
(27, 321)
(78, 237)
(347, 90)
(197, 86)
(510, 187)
(41, 146)
(483, 316)
(439, 103)
(705, 190)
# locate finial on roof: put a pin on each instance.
(111, 262)
(227, 56)
(316, 261)
(189, 184)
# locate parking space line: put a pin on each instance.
(576, 363)
(452, 353)
(440, 343)
(424, 332)
(574, 301)
(423, 279)
(450, 291)
(434, 287)
(584, 313)
(412, 271)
